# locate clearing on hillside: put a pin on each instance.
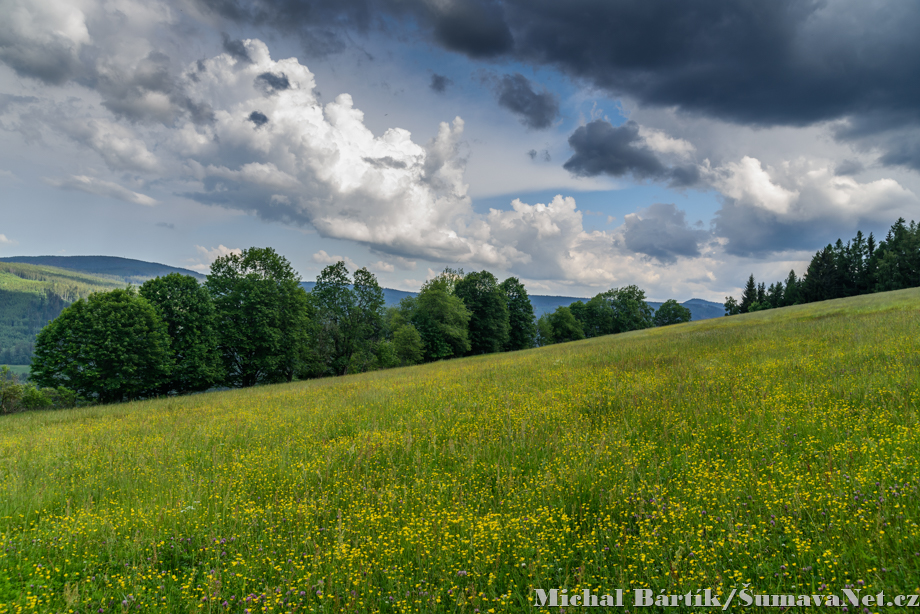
(778, 448)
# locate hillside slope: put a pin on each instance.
(128, 270)
(780, 449)
(31, 296)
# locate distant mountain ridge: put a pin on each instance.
(700, 309)
(111, 266)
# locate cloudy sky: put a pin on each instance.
(577, 145)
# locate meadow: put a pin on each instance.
(778, 448)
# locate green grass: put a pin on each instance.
(779, 449)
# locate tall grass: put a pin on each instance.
(778, 448)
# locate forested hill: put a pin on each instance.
(31, 296)
(128, 270)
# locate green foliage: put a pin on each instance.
(111, 347)
(562, 326)
(188, 311)
(630, 311)
(334, 304)
(732, 307)
(408, 345)
(671, 312)
(522, 330)
(749, 295)
(545, 330)
(898, 258)
(16, 395)
(441, 319)
(386, 355)
(349, 319)
(488, 307)
(791, 291)
(262, 316)
(367, 317)
(840, 270)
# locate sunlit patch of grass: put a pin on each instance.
(778, 448)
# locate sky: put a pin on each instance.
(578, 146)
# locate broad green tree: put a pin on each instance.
(671, 312)
(545, 331)
(334, 304)
(441, 319)
(488, 306)
(111, 346)
(408, 345)
(564, 326)
(262, 316)
(732, 308)
(188, 312)
(630, 311)
(367, 320)
(522, 330)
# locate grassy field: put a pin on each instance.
(779, 449)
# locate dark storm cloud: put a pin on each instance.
(849, 167)
(236, 49)
(786, 62)
(661, 231)
(904, 152)
(474, 27)
(537, 110)
(270, 82)
(258, 118)
(604, 149)
(439, 83)
(753, 231)
(601, 148)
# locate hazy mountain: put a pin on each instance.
(112, 266)
(699, 309)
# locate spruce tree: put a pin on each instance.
(749, 295)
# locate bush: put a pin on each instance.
(16, 396)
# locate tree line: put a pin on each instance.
(252, 323)
(861, 266)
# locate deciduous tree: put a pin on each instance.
(262, 316)
(671, 312)
(488, 307)
(111, 346)
(188, 312)
(522, 331)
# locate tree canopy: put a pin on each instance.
(188, 312)
(262, 316)
(671, 312)
(522, 331)
(488, 307)
(111, 346)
